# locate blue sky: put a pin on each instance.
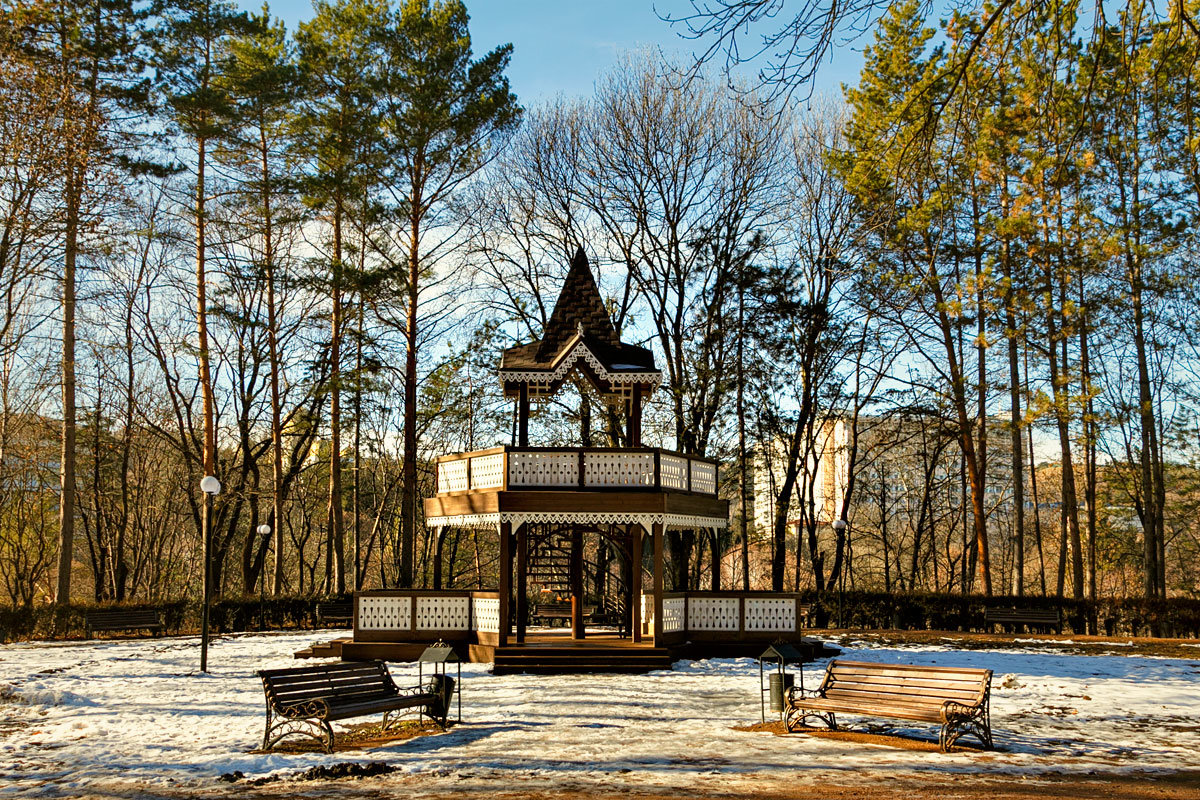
(561, 46)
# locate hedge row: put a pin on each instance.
(1130, 616)
(1127, 616)
(227, 615)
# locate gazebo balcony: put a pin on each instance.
(575, 469)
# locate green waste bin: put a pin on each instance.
(780, 683)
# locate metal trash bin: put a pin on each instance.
(780, 683)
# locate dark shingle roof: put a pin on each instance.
(579, 309)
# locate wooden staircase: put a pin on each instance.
(332, 649)
(555, 660)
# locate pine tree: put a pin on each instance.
(442, 115)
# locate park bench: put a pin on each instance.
(553, 611)
(304, 700)
(1008, 616)
(955, 697)
(330, 614)
(123, 620)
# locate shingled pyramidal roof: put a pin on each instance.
(579, 318)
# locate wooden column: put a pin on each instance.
(635, 583)
(522, 580)
(657, 532)
(635, 419)
(505, 587)
(577, 631)
(523, 417)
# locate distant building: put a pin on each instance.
(825, 469)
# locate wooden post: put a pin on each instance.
(657, 532)
(522, 580)
(523, 417)
(635, 419)
(635, 583)
(577, 631)
(505, 587)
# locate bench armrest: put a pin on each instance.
(309, 709)
(952, 709)
(797, 693)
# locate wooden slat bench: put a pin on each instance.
(304, 700)
(335, 613)
(553, 611)
(123, 620)
(956, 697)
(1008, 616)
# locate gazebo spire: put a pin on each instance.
(579, 309)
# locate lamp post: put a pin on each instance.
(211, 487)
(839, 527)
(264, 531)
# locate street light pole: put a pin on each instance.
(264, 531)
(211, 487)
(839, 527)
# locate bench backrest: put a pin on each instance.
(343, 681)
(122, 618)
(887, 684)
(1047, 615)
(552, 608)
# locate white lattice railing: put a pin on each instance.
(704, 477)
(452, 476)
(543, 469)
(487, 472)
(770, 614)
(713, 613)
(486, 613)
(602, 469)
(618, 469)
(672, 472)
(674, 609)
(384, 613)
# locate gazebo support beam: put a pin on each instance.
(577, 629)
(635, 582)
(522, 581)
(657, 529)
(505, 582)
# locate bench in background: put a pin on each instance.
(331, 615)
(123, 620)
(1010, 617)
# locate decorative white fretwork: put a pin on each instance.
(672, 472)
(540, 380)
(712, 614)
(384, 613)
(673, 609)
(618, 469)
(487, 472)
(684, 521)
(443, 613)
(486, 612)
(543, 469)
(577, 517)
(452, 476)
(770, 614)
(465, 521)
(704, 477)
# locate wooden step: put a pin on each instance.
(331, 649)
(542, 660)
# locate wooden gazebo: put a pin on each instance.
(543, 501)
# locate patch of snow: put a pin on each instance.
(87, 714)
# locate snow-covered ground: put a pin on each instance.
(80, 714)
